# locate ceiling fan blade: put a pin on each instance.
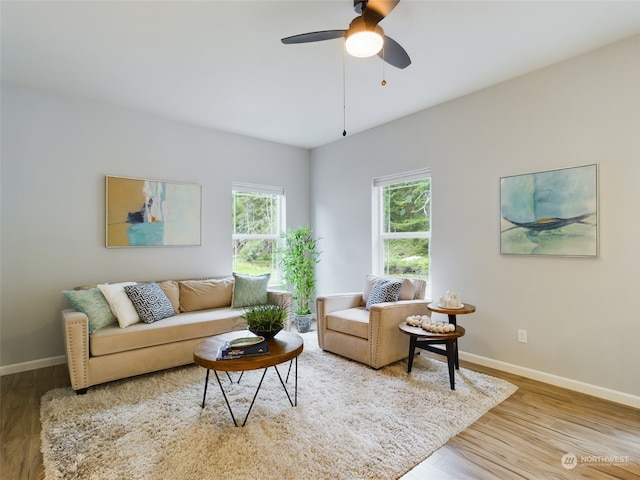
(314, 36)
(376, 10)
(394, 54)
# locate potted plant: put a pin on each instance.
(298, 258)
(266, 320)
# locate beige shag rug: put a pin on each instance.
(351, 422)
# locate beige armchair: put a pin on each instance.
(372, 337)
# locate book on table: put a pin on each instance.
(243, 347)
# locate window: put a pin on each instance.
(258, 219)
(402, 225)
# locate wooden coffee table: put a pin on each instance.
(420, 338)
(284, 347)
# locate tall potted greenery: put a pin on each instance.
(298, 258)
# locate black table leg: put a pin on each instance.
(254, 397)
(451, 362)
(206, 382)
(454, 320)
(225, 398)
(455, 354)
(412, 350)
(293, 402)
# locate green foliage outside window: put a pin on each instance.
(406, 211)
(256, 232)
(407, 206)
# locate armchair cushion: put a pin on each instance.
(353, 321)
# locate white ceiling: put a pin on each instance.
(221, 64)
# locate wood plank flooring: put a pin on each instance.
(524, 437)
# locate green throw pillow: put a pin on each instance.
(249, 290)
(93, 304)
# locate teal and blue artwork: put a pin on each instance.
(550, 213)
(151, 213)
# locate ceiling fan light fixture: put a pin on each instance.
(363, 40)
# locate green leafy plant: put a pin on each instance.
(269, 317)
(298, 258)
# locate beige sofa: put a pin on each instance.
(372, 337)
(112, 352)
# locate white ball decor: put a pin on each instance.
(426, 323)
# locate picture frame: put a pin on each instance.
(152, 213)
(553, 212)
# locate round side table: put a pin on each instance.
(420, 338)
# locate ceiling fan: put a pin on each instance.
(364, 37)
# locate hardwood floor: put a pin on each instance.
(20, 393)
(525, 437)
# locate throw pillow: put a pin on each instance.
(368, 285)
(249, 290)
(119, 302)
(150, 301)
(93, 304)
(172, 291)
(384, 290)
(205, 294)
(408, 289)
(407, 292)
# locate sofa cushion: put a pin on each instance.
(384, 290)
(249, 290)
(119, 302)
(184, 326)
(150, 301)
(172, 291)
(205, 294)
(352, 321)
(92, 303)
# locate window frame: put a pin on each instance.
(279, 192)
(378, 235)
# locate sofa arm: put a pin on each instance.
(76, 339)
(332, 303)
(279, 296)
(387, 343)
(282, 297)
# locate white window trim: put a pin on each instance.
(377, 236)
(282, 224)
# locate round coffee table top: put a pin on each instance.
(422, 333)
(283, 347)
(466, 308)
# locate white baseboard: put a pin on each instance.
(32, 365)
(568, 383)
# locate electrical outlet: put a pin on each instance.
(522, 336)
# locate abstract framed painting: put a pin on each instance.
(152, 213)
(550, 213)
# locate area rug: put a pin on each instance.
(351, 422)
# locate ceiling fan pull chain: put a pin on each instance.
(383, 82)
(344, 94)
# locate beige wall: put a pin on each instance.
(582, 326)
